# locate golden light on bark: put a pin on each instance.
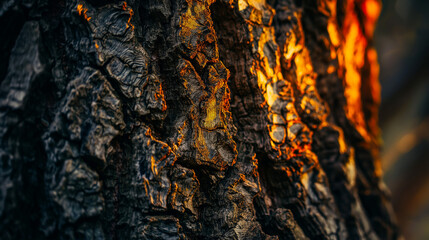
(82, 12)
(297, 92)
(354, 56)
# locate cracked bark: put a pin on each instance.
(190, 120)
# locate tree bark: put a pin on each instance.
(190, 119)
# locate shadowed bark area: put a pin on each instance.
(191, 119)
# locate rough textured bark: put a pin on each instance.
(190, 119)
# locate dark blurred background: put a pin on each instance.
(402, 41)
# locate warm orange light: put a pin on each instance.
(354, 50)
(287, 78)
(333, 33)
(371, 9)
(374, 72)
(82, 12)
(131, 12)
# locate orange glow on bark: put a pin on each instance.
(82, 12)
(131, 12)
(351, 54)
(371, 9)
(354, 50)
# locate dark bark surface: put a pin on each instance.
(190, 119)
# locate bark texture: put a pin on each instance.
(190, 119)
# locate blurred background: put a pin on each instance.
(402, 41)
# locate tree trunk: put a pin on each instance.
(190, 120)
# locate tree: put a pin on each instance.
(190, 119)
